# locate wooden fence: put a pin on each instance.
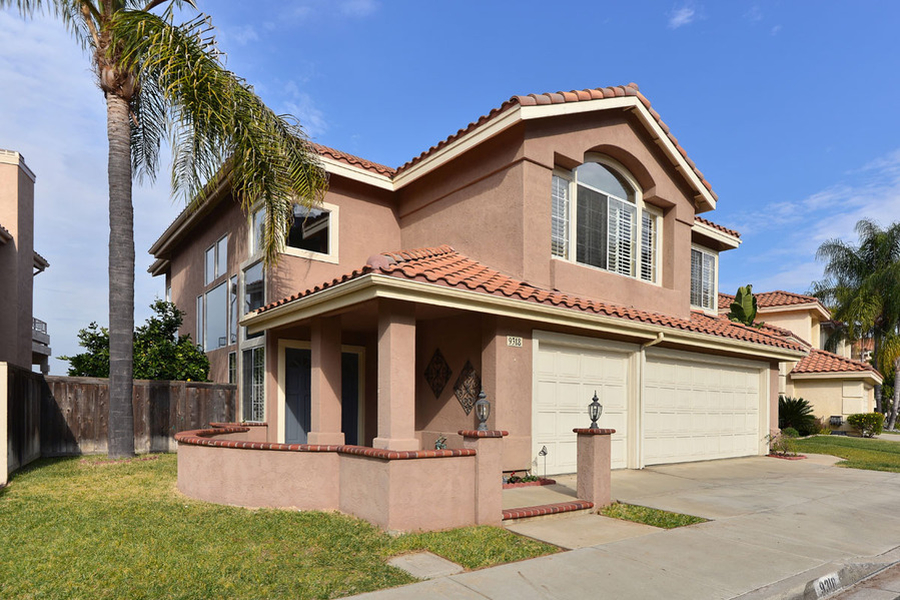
(74, 413)
(20, 416)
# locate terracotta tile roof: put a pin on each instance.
(771, 299)
(4, 234)
(721, 228)
(618, 91)
(445, 266)
(354, 160)
(820, 361)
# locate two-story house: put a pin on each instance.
(835, 384)
(547, 251)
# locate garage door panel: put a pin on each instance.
(695, 410)
(562, 397)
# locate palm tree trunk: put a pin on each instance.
(876, 347)
(893, 420)
(121, 280)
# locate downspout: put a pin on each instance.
(640, 413)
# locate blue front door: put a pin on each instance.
(297, 394)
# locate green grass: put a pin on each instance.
(649, 516)
(859, 453)
(82, 528)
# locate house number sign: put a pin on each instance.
(825, 586)
(514, 341)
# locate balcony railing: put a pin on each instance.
(39, 326)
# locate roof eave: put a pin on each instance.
(376, 285)
(872, 376)
(729, 242)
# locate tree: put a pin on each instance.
(862, 287)
(159, 352)
(743, 309)
(160, 78)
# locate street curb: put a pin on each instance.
(827, 579)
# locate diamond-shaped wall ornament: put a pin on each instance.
(437, 373)
(467, 386)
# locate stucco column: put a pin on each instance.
(396, 376)
(594, 465)
(325, 375)
(488, 446)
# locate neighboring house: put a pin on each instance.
(835, 384)
(23, 339)
(548, 250)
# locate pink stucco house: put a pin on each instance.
(552, 248)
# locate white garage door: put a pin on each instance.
(700, 410)
(565, 380)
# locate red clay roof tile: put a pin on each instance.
(820, 361)
(721, 228)
(771, 299)
(445, 266)
(354, 160)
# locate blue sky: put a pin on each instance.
(787, 107)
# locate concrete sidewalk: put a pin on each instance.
(777, 528)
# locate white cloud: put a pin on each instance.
(301, 105)
(242, 35)
(755, 14)
(775, 29)
(682, 16)
(358, 8)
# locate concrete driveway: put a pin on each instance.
(778, 529)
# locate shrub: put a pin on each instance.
(867, 424)
(796, 413)
(790, 432)
(782, 444)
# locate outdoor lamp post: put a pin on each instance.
(595, 409)
(482, 411)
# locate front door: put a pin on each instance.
(297, 395)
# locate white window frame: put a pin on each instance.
(713, 310)
(220, 263)
(641, 208)
(333, 237)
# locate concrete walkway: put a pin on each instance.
(778, 528)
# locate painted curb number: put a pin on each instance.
(826, 585)
(514, 341)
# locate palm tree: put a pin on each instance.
(862, 286)
(164, 78)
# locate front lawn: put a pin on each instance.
(859, 453)
(86, 528)
(649, 516)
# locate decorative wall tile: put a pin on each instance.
(437, 373)
(467, 386)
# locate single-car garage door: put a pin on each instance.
(699, 408)
(566, 376)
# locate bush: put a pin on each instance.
(781, 443)
(790, 432)
(796, 413)
(867, 424)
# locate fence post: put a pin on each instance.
(488, 446)
(4, 424)
(594, 455)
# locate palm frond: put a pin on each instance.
(214, 115)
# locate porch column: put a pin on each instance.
(594, 456)
(396, 376)
(488, 446)
(325, 375)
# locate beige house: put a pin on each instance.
(835, 384)
(23, 339)
(550, 249)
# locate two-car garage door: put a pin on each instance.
(683, 407)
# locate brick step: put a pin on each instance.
(527, 512)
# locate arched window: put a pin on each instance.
(599, 219)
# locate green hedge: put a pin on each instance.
(867, 424)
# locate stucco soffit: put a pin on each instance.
(374, 285)
(810, 306)
(159, 266)
(714, 234)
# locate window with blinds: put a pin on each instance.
(597, 221)
(703, 279)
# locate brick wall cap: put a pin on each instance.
(588, 431)
(474, 433)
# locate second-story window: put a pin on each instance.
(216, 260)
(598, 219)
(313, 233)
(703, 279)
(216, 314)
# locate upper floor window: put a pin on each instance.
(313, 233)
(599, 219)
(216, 260)
(703, 279)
